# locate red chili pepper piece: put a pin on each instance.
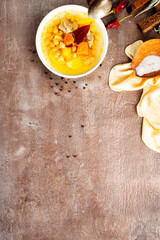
(113, 24)
(119, 6)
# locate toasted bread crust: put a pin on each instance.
(149, 22)
(157, 7)
(136, 5)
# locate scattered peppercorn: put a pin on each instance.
(74, 155)
(46, 72)
(33, 123)
(34, 51)
(69, 90)
(82, 126)
(57, 84)
(74, 81)
(51, 78)
(32, 60)
(62, 77)
(67, 156)
(51, 86)
(86, 84)
(69, 136)
(100, 65)
(66, 82)
(84, 88)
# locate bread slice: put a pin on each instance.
(136, 5)
(157, 7)
(149, 22)
(150, 47)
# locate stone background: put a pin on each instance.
(75, 169)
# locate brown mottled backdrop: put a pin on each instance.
(76, 169)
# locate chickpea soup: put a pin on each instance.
(72, 42)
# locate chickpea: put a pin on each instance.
(56, 54)
(92, 59)
(55, 30)
(46, 41)
(50, 29)
(60, 33)
(56, 22)
(51, 37)
(87, 62)
(51, 45)
(48, 48)
(58, 38)
(62, 45)
(58, 46)
(72, 19)
(61, 58)
(48, 34)
(54, 49)
(68, 16)
(56, 42)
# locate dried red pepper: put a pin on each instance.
(115, 23)
(117, 7)
(80, 33)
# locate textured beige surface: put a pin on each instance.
(102, 183)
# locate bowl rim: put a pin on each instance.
(50, 15)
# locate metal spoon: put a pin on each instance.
(99, 8)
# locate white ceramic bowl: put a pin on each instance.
(44, 22)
